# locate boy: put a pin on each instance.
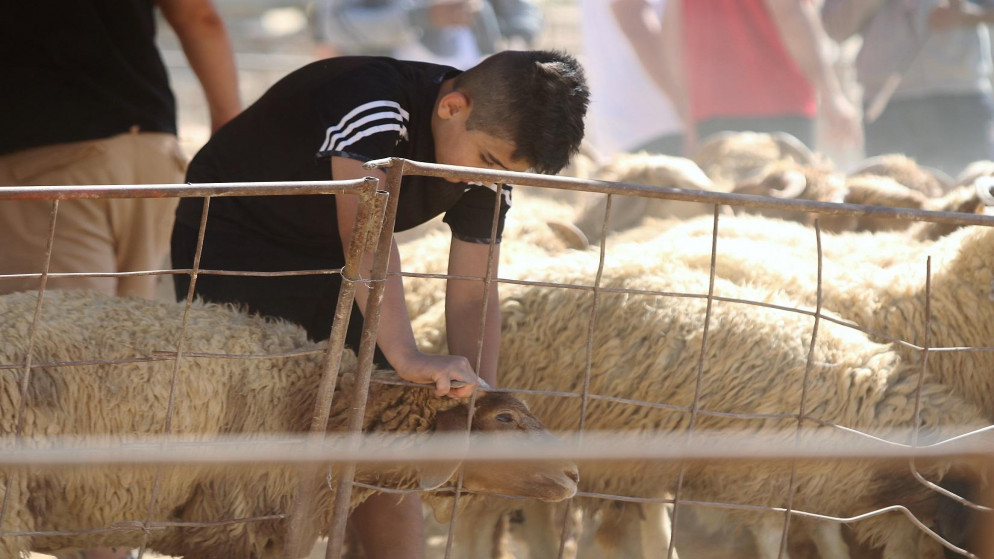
(516, 110)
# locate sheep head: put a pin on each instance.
(731, 156)
(905, 170)
(645, 169)
(880, 190)
(789, 180)
(963, 199)
(504, 415)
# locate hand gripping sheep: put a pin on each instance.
(109, 394)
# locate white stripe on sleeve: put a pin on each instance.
(346, 120)
(369, 132)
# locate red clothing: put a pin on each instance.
(736, 64)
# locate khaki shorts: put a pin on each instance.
(91, 236)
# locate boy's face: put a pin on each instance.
(457, 145)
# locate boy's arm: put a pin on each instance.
(464, 305)
(205, 43)
(395, 336)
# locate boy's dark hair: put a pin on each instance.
(536, 100)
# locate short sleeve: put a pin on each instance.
(471, 218)
(363, 117)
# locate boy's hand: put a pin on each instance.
(442, 371)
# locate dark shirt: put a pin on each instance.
(80, 70)
(362, 108)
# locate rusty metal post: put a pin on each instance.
(367, 346)
(369, 219)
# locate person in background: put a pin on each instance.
(86, 100)
(925, 70)
(457, 33)
(744, 65)
(628, 113)
(514, 111)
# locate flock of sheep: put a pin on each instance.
(657, 353)
(646, 347)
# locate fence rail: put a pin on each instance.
(316, 451)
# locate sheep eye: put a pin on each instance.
(505, 417)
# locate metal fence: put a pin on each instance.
(793, 447)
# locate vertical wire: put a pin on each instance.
(695, 406)
(167, 423)
(802, 407)
(25, 379)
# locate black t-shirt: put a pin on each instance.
(80, 70)
(362, 108)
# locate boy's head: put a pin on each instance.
(536, 100)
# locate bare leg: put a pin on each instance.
(903, 540)
(390, 530)
(543, 526)
(768, 532)
(476, 530)
(620, 531)
(828, 539)
(658, 529)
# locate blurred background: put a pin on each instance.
(272, 38)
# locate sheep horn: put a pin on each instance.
(790, 145)
(946, 182)
(794, 184)
(983, 186)
(569, 234)
(867, 166)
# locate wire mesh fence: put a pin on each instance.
(814, 394)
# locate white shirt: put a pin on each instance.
(627, 109)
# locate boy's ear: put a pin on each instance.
(452, 104)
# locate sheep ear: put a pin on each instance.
(442, 509)
(451, 422)
(434, 476)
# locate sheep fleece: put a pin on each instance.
(213, 396)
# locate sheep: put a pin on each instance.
(788, 179)
(962, 199)
(720, 162)
(791, 242)
(526, 238)
(893, 181)
(928, 180)
(648, 346)
(897, 181)
(975, 170)
(730, 157)
(215, 396)
(647, 169)
(877, 281)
